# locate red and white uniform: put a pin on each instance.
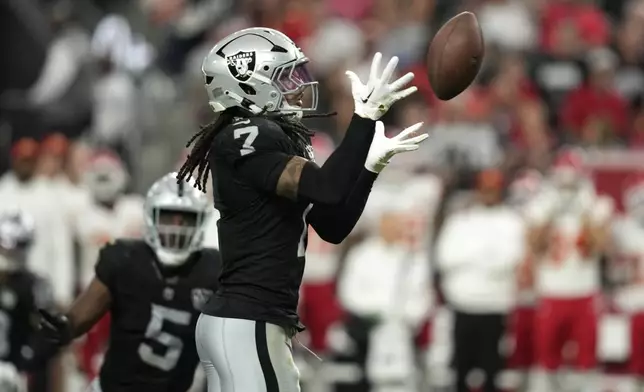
(567, 277)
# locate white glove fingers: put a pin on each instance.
(375, 66)
(405, 148)
(354, 79)
(401, 82)
(414, 140)
(409, 131)
(403, 94)
(389, 70)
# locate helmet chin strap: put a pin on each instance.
(243, 102)
(296, 111)
(285, 108)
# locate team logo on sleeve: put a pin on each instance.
(200, 297)
(241, 65)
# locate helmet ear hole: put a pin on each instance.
(209, 80)
(249, 90)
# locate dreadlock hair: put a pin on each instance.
(201, 142)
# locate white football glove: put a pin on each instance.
(383, 148)
(376, 97)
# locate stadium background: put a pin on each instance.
(125, 75)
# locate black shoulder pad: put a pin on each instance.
(114, 255)
(123, 248)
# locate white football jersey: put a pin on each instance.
(98, 225)
(565, 271)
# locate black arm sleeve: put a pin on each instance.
(331, 183)
(259, 152)
(334, 223)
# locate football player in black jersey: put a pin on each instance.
(268, 190)
(154, 289)
(22, 293)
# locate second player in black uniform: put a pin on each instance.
(268, 189)
(154, 290)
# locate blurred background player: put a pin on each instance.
(628, 235)
(478, 280)
(390, 271)
(155, 289)
(568, 232)
(23, 188)
(107, 214)
(111, 212)
(526, 186)
(22, 293)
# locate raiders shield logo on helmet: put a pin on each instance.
(200, 297)
(241, 65)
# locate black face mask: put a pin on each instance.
(176, 229)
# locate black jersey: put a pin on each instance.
(262, 236)
(153, 317)
(21, 294)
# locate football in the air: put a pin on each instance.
(455, 56)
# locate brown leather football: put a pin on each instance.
(455, 56)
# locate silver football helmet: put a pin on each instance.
(175, 217)
(16, 236)
(259, 69)
(10, 378)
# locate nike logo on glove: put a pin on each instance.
(364, 100)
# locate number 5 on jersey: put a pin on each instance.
(154, 332)
(250, 134)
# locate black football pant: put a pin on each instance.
(476, 340)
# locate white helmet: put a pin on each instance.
(255, 69)
(10, 379)
(106, 176)
(16, 236)
(175, 217)
(525, 186)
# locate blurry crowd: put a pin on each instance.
(503, 252)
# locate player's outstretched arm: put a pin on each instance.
(58, 330)
(86, 310)
(334, 223)
(332, 183)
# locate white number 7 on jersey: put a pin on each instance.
(252, 132)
